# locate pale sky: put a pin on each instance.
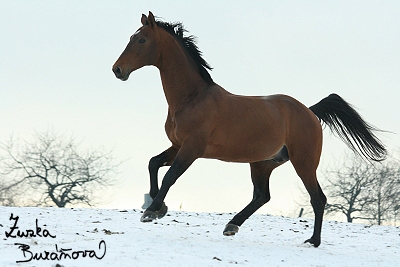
(55, 72)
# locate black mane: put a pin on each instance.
(189, 43)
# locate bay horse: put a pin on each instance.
(206, 121)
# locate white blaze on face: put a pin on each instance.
(265, 97)
(136, 33)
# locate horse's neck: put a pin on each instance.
(180, 79)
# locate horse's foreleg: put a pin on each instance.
(186, 155)
(260, 173)
(164, 159)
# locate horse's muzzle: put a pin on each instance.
(119, 73)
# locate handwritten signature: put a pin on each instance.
(58, 254)
(27, 233)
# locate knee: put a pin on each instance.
(154, 163)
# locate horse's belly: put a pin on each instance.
(253, 151)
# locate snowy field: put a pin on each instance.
(117, 238)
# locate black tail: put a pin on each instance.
(350, 127)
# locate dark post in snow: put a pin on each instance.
(147, 201)
(301, 212)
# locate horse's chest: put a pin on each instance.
(171, 130)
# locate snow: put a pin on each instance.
(189, 239)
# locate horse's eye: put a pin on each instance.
(142, 41)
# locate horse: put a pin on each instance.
(206, 121)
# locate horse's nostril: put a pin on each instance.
(117, 71)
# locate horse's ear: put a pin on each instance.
(151, 20)
(144, 19)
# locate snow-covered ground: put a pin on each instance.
(117, 238)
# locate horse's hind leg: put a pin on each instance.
(318, 202)
(318, 199)
(260, 173)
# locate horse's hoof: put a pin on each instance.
(161, 213)
(231, 229)
(148, 216)
(314, 241)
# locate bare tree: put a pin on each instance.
(361, 190)
(347, 189)
(52, 171)
(384, 193)
(6, 198)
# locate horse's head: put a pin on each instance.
(142, 49)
